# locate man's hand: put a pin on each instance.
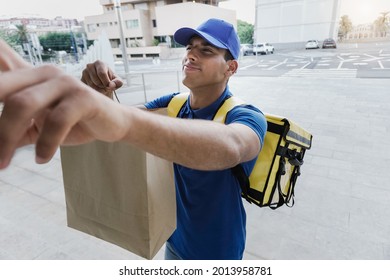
(46, 107)
(101, 78)
(9, 60)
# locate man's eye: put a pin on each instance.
(208, 50)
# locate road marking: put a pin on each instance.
(321, 73)
(369, 55)
(304, 66)
(284, 62)
(323, 64)
(372, 57)
(249, 66)
(291, 65)
(360, 63)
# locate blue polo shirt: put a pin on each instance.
(211, 218)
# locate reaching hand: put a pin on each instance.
(101, 78)
(46, 107)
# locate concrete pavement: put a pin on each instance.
(341, 210)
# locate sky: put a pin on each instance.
(359, 11)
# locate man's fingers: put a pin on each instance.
(56, 127)
(118, 83)
(97, 75)
(15, 81)
(22, 106)
(9, 59)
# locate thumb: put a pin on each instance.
(116, 83)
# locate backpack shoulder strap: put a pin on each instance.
(237, 170)
(176, 103)
(226, 106)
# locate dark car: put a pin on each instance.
(329, 43)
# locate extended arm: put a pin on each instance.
(45, 107)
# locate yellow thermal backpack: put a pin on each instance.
(273, 178)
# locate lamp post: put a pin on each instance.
(117, 6)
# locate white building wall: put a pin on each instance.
(172, 17)
(285, 21)
(168, 19)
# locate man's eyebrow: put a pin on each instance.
(204, 43)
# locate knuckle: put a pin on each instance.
(21, 102)
(101, 72)
(67, 79)
(50, 70)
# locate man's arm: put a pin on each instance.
(197, 144)
(45, 107)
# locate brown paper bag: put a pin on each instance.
(120, 194)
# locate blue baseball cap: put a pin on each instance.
(217, 32)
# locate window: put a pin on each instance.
(141, 6)
(154, 22)
(91, 27)
(133, 23)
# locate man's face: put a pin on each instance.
(203, 65)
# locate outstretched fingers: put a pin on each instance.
(9, 59)
(14, 81)
(24, 105)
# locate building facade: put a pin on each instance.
(148, 26)
(292, 21)
(366, 32)
(40, 24)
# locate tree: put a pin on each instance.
(345, 26)
(245, 32)
(9, 38)
(56, 41)
(22, 34)
(382, 24)
(62, 41)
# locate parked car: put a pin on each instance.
(312, 44)
(329, 43)
(263, 48)
(247, 49)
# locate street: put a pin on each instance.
(369, 60)
(341, 209)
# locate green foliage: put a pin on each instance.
(9, 38)
(56, 41)
(245, 32)
(21, 34)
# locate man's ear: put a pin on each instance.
(232, 67)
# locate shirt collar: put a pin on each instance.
(208, 112)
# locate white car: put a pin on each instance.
(263, 48)
(312, 44)
(247, 49)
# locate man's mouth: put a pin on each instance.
(190, 67)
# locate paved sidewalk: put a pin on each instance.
(342, 204)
